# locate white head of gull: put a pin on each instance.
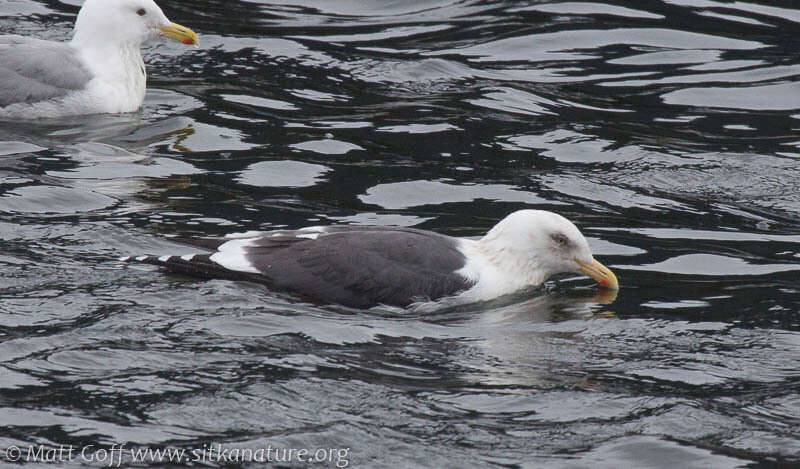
(524, 249)
(366, 266)
(99, 71)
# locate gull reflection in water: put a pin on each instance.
(536, 342)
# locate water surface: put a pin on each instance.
(667, 130)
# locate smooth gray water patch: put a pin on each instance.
(326, 146)
(603, 247)
(555, 46)
(15, 148)
(746, 8)
(780, 97)
(651, 452)
(318, 96)
(211, 138)
(10, 379)
(574, 147)
(750, 74)
(158, 167)
(417, 193)
(418, 128)
(588, 8)
(669, 57)
(260, 102)
(53, 199)
(744, 237)
(736, 18)
(713, 264)
(285, 173)
(726, 65)
(513, 100)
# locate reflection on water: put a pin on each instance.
(666, 131)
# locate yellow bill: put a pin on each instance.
(600, 273)
(180, 33)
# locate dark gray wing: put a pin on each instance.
(362, 267)
(34, 70)
(358, 267)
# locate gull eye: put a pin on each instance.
(560, 240)
(141, 12)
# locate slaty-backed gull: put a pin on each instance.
(362, 266)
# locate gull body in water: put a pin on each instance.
(366, 266)
(99, 71)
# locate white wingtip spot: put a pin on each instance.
(232, 256)
(141, 258)
(164, 258)
(125, 258)
(188, 257)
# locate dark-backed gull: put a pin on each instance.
(365, 266)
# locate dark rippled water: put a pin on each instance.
(668, 131)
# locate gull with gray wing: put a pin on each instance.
(366, 266)
(99, 71)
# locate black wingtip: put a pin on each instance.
(193, 265)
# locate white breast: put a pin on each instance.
(119, 80)
(495, 274)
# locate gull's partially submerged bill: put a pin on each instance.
(99, 71)
(365, 266)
